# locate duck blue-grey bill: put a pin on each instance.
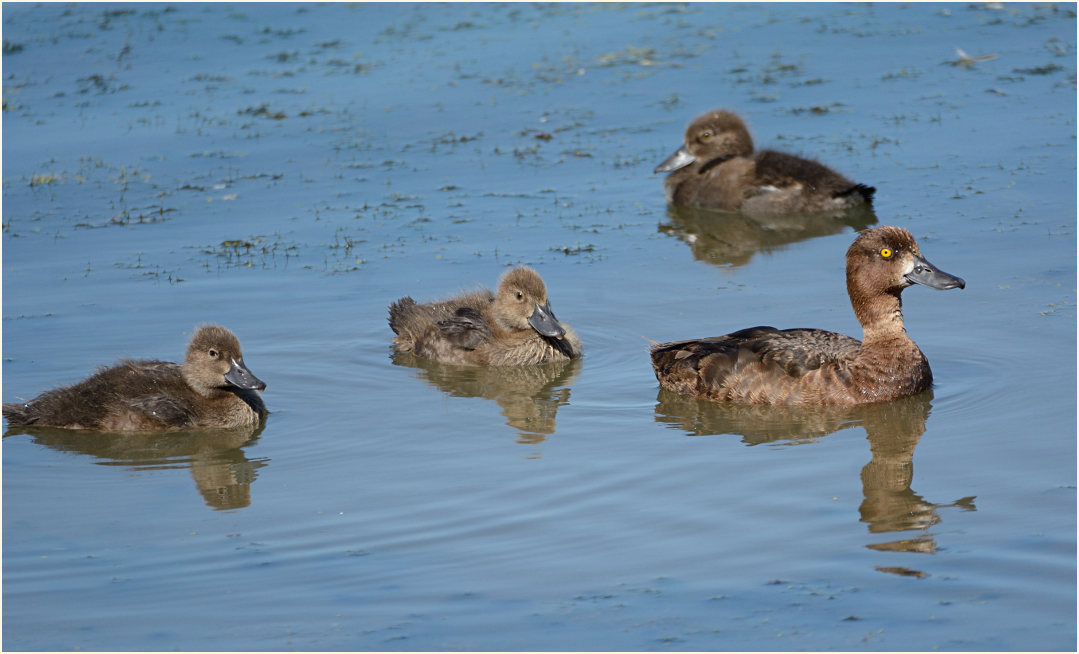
(544, 322)
(239, 376)
(680, 159)
(927, 274)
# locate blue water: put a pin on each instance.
(289, 170)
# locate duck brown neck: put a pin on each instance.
(881, 314)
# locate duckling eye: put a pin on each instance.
(520, 296)
(885, 252)
(213, 353)
(706, 134)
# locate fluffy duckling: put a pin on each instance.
(716, 167)
(512, 327)
(813, 367)
(211, 389)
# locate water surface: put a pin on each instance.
(289, 170)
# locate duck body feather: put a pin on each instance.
(137, 395)
(212, 389)
(765, 365)
(511, 328)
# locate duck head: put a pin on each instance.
(214, 361)
(714, 137)
(885, 260)
(521, 303)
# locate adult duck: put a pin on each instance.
(813, 367)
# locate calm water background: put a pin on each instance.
(288, 171)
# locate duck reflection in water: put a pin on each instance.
(724, 238)
(893, 429)
(528, 395)
(222, 471)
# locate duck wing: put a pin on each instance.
(467, 329)
(148, 394)
(798, 351)
(758, 362)
(781, 170)
(132, 395)
(161, 410)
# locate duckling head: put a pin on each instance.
(521, 303)
(714, 137)
(214, 361)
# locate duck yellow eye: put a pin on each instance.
(706, 134)
(885, 252)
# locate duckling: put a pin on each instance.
(512, 327)
(716, 167)
(211, 389)
(813, 367)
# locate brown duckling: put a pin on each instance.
(716, 167)
(512, 327)
(211, 389)
(813, 367)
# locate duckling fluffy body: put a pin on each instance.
(716, 167)
(813, 367)
(211, 389)
(512, 327)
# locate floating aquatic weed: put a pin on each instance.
(1039, 70)
(629, 55)
(282, 33)
(43, 179)
(902, 73)
(262, 111)
(344, 242)
(817, 110)
(251, 252)
(149, 215)
(284, 57)
(207, 77)
(451, 139)
(576, 249)
(102, 84)
(219, 154)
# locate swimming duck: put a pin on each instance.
(716, 167)
(211, 389)
(813, 367)
(512, 327)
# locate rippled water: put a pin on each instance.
(289, 170)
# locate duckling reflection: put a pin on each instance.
(893, 429)
(222, 472)
(528, 395)
(731, 238)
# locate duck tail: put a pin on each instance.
(398, 311)
(861, 189)
(19, 414)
